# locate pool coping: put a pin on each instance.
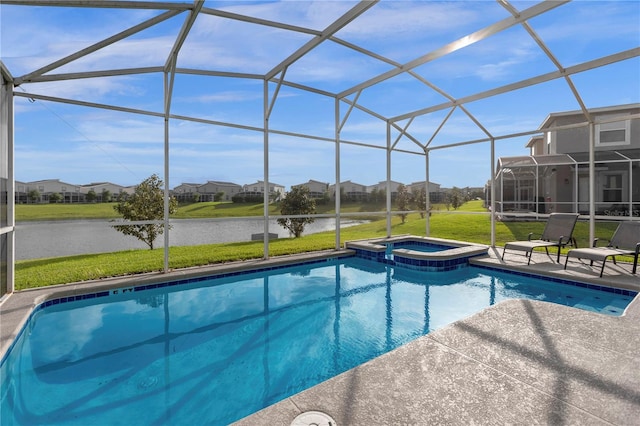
(459, 248)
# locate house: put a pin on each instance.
(436, 195)
(351, 191)
(276, 192)
(186, 192)
(555, 176)
(46, 189)
(209, 191)
(382, 188)
(316, 189)
(109, 190)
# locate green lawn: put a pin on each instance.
(463, 225)
(31, 212)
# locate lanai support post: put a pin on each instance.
(337, 185)
(167, 108)
(427, 204)
(592, 181)
(493, 192)
(388, 179)
(265, 155)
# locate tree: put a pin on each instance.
(106, 196)
(145, 204)
(457, 198)
(218, 196)
(297, 202)
(403, 200)
(33, 195)
(55, 198)
(420, 201)
(91, 196)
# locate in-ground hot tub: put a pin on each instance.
(421, 253)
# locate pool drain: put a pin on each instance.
(313, 418)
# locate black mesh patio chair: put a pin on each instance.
(624, 242)
(558, 232)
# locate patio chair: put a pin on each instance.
(558, 232)
(624, 242)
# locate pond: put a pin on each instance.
(64, 238)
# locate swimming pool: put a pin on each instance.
(215, 350)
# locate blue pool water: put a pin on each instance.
(213, 351)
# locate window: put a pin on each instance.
(616, 133)
(612, 190)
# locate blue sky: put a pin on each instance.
(82, 145)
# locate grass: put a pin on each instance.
(463, 225)
(33, 212)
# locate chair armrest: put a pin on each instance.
(596, 240)
(530, 235)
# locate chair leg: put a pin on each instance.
(602, 269)
(635, 264)
(503, 250)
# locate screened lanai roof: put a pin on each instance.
(288, 91)
(444, 74)
(573, 158)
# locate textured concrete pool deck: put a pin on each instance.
(518, 362)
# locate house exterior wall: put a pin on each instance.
(316, 188)
(351, 190)
(211, 188)
(185, 192)
(277, 191)
(565, 187)
(68, 191)
(566, 141)
(98, 188)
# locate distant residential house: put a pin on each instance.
(351, 190)
(276, 191)
(185, 192)
(436, 195)
(209, 190)
(382, 187)
(20, 192)
(103, 188)
(555, 176)
(46, 188)
(316, 189)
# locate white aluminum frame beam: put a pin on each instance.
(336, 26)
(543, 78)
(468, 40)
(97, 46)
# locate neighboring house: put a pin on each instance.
(436, 195)
(100, 187)
(69, 192)
(555, 177)
(351, 190)
(316, 189)
(21, 192)
(382, 187)
(276, 192)
(185, 192)
(209, 190)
